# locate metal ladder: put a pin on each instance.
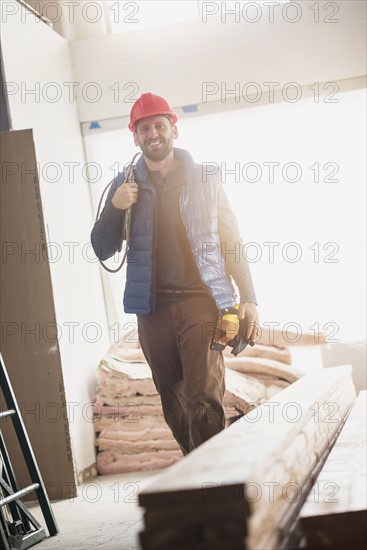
(18, 528)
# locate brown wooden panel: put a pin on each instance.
(335, 514)
(29, 341)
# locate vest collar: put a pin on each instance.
(184, 156)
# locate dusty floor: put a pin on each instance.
(104, 515)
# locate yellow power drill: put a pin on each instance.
(230, 331)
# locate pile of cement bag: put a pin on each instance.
(131, 434)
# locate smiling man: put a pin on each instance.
(155, 136)
(178, 282)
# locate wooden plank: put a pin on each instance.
(155, 517)
(335, 512)
(267, 424)
(275, 445)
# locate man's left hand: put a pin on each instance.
(248, 312)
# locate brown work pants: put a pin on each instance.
(188, 375)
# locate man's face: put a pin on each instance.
(155, 135)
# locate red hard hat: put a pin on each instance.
(148, 105)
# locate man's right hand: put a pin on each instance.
(125, 195)
(225, 331)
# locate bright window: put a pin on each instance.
(295, 176)
(130, 16)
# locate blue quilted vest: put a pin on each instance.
(198, 206)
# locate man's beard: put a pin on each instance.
(157, 154)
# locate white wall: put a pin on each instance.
(34, 55)
(176, 60)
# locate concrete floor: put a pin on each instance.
(104, 515)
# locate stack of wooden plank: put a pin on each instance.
(244, 487)
(335, 513)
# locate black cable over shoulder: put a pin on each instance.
(127, 224)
